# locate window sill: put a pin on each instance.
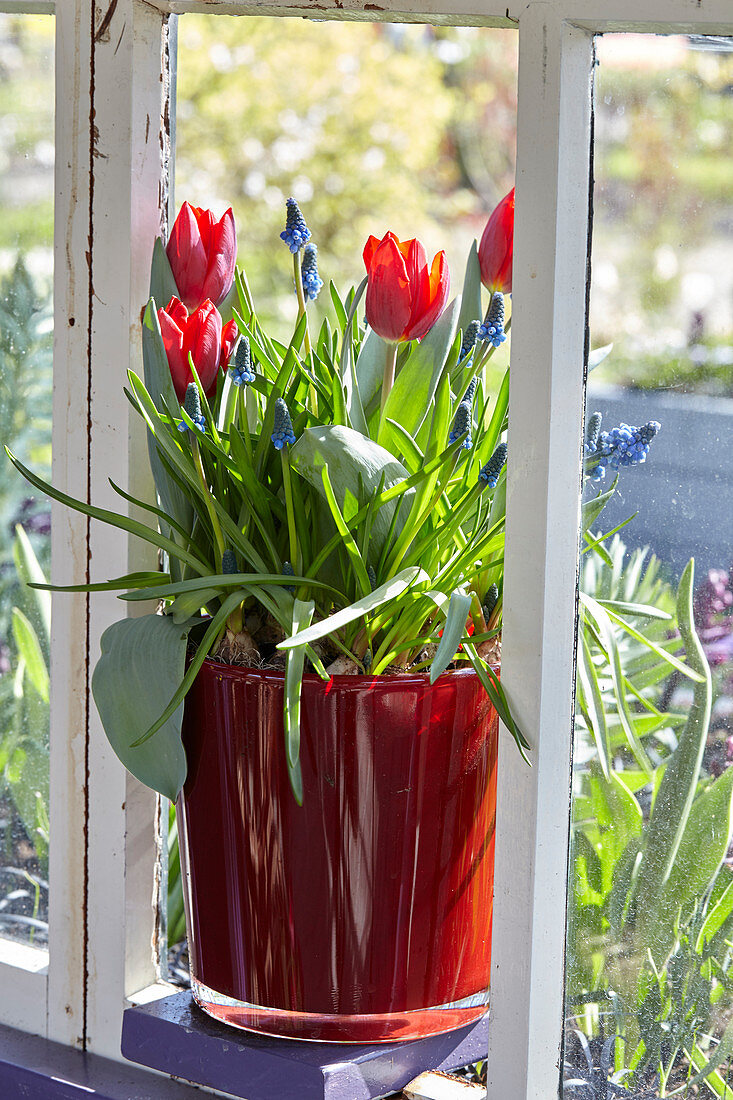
(33, 1067)
(174, 1035)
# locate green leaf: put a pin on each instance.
(676, 794)
(162, 284)
(471, 297)
(597, 356)
(30, 573)
(141, 666)
(455, 624)
(355, 465)
(302, 615)
(29, 648)
(386, 592)
(369, 367)
(115, 519)
(409, 399)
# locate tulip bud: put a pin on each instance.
(404, 299)
(198, 335)
(202, 254)
(496, 250)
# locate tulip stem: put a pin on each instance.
(388, 379)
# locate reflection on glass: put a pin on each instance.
(26, 329)
(649, 991)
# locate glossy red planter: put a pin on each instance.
(363, 915)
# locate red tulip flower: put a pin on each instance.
(202, 252)
(404, 299)
(496, 251)
(198, 334)
(229, 337)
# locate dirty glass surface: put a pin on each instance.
(26, 333)
(650, 923)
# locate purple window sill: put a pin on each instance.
(175, 1036)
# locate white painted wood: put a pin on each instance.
(69, 530)
(23, 980)
(128, 210)
(543, 515)
(665, 16)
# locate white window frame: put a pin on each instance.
(113, 123)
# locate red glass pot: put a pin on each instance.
(363, 915)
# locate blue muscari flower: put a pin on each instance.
(372, 576)
(593, 430)
(623, 446)
(229, 562)
(469, 338)
(470, 393)
(288, 571)
(492, 598)
(309, 272)
(296, 232)
(282, 433)
(462, 425)
(489, 474)
(241, 371)
(192, 405)
(492, 328)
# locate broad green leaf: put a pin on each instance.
(30, 650)
(590, 700)
(369, 367)
(697, 860)
(386, 592)
(676, 794)
(355, 465)
(471, 309)
(162, 284)
(409, 399)
(141, 666)
(455, 624)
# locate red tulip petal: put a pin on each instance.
(229, 335)
(438, 288)
(202, 339)
(416, 261)
(496, 250)
(177, 361)
(177, 311)
(388, 291)
(207, 224)
(222, 258)
(187, 256)
(369, 249)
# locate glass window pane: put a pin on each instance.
(650, 921)
(26, 341)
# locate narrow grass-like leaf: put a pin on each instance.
(302, 615)
(455, 625)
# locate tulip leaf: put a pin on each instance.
(141, 665)
(415, 385)
(455, 624)
(596, 357)
(471, 296)
(370, 366)
(159, 384)
(357, 466)
(162, 283)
